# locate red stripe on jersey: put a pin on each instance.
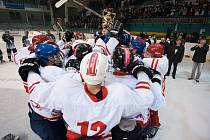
(33, 85)
(72, 136)
(14, 58)
(126, 57)
(75, 50)
(31, 90)
(156, 64)
(144, 87)
(26, 88)
(25, 85)
(91, 71)
(120, 73)
(104, 49)
(107, 51)
(142, 82)
(163, 87)
(153, 60)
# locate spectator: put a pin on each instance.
(25, 40)
(175, 56)
(199, 58)
(9, 39)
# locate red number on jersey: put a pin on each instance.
(94, 127)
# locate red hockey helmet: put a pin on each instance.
(39, 39)
(155, 50)
(79, 35)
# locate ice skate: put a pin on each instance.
(11, 137)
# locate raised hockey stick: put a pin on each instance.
(58, 27)
(60, 3)
(92, 11)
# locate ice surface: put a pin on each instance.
(186, 116)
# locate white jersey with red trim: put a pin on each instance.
(88, 116)
(161, 65)
(158, 64)
(39, 92)
(133, 83)
(158, 92)
(22, 54)
(39, 88)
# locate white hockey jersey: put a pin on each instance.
(159, 64)
(87, 116)
(39, 88)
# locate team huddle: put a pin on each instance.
(109, 87)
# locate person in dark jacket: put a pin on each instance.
(175, 56)
(9, 40)
(199, 58)
(25, 40)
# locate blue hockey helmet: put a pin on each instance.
(124, 39)
(139, 45)
(44, 51)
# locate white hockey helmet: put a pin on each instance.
(93, 68)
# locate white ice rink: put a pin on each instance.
(186, 116)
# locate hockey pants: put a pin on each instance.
(47, 130)
(1, 55)
(9, 52)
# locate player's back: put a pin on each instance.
(88, 116)
(122, 78)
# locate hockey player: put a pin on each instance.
(47, 124)
(79, 35)
(86, 106)
(9, 39)
(79, 51)
(25, 39)
(26, 52)
(138, 45)
(66, 40)
(95, 100)
(155, 59)
(123, 60)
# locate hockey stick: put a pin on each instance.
(58, 28)
(92, 11)
(60, 3)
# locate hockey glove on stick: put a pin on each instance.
(30, 64)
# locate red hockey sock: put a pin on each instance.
(154, 118)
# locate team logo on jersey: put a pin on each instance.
(91, 71)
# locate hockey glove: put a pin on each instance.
(141, 68)
(156, 76)
(30, 64)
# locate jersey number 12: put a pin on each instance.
(94, 127)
